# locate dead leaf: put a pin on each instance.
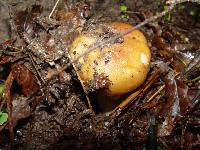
(25, 78)
(171, 108)
(20, 109)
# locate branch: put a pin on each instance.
(181, 1)
(172, 4)
(52, 11)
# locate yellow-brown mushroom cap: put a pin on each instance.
(124, 63)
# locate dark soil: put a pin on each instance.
(53, 113)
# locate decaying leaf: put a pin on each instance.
(171, 109)
(25, 78)
(177, 103)
(24, 21)
(20, 110)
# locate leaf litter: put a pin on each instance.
(49, 111)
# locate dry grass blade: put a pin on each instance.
(150, 103)
(156, 93)
(54, 8)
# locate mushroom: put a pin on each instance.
(115, 68)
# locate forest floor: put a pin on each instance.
(48, 109)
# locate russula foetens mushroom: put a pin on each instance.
(118, 67)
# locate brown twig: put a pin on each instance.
(110, 40)
(181, 1)
(139, 92)
(156, 93)
(54, 7)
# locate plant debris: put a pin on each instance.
(43, 104)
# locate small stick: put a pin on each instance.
(150, 103)
(182, 1)
(132, 97)
(156, 93)
(53, 9)
(97, 45)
